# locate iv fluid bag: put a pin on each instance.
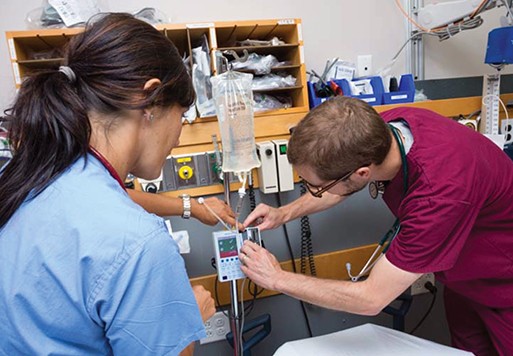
(234, 107)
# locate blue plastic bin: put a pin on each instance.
(373, 99)
(313, 99)
(376, 98)
(405, 94)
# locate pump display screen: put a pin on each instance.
(227, 247)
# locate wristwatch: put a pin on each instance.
(186, 200)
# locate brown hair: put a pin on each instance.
(111, 61)
(338, 136)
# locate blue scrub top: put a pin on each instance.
(85, 270)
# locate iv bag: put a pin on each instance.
(234, 107)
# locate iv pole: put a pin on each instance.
(234, 312)
(235, 315)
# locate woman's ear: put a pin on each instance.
(149, 85)
(152, 83)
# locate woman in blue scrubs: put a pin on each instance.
(83, 269)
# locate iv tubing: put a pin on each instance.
(242, 193)
(202, 201)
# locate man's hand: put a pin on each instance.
(200, 212)
(265, 217)
(259, 265)
(205, 302)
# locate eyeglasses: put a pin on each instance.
(318, 191)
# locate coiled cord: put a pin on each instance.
(251, 195)
(306, 242)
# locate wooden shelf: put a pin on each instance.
(25, 45)
(41, 63)
(259, 48)
(278, 89)
(273, 69)
(447, 107)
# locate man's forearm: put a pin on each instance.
(332, 294)
(368, 297)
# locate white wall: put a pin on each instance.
(331, 28)
(462, 55)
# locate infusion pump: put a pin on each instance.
(227, 246)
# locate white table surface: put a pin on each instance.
(367, 339)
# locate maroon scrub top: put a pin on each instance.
(457, 215)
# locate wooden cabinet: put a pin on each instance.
(42, 49)
(34, 50)
(229, 35)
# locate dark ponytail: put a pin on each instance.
(49, 125)
(49, 129)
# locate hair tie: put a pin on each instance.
(68, 72)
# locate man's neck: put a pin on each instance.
(392, 164)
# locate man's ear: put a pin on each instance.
(363, 172)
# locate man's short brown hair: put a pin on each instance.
(340, 135)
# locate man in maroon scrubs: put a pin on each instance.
(452, 191)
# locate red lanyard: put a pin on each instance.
(107, 165)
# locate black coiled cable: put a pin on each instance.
(251, 195)
(306, 242)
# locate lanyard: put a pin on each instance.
(107, 165)
(394, 230)
(385, 241)
(395, 131)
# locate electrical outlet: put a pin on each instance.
(418, 286)
(216, 327)
(214, 170)
(364, 66)
(507, 130)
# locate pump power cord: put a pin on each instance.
(432, 289)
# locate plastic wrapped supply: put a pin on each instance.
(257, 63)
(264, 102)
(152, 16)
(62, 13)
(273, 81)
(275, 41)
(200, 79)
(75, 13)
(44, 17)
(234, 107)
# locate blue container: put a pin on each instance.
(405, 94)
(376, 98)
(499, 49)
(313, 99)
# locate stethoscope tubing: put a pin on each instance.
(396, 227)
